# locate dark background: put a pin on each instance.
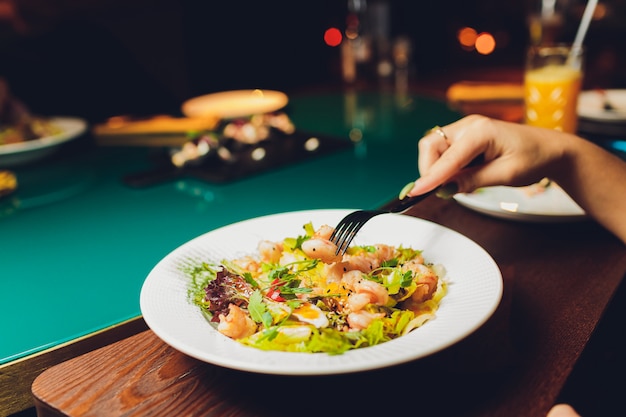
(98, 58)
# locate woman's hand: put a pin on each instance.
(512, 154)
(516, 155)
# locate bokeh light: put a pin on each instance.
(467, 37)
(485, 43)
(470, 40)
(332, 37)
(352, 26)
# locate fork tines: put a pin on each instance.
(348, 227)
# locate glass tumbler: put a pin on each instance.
(552, 81)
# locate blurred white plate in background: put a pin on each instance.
(591, 105)
(516, 203)
(13, 154)
(236, 103)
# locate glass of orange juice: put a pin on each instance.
(552, 82)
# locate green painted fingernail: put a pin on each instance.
(431, 130)
(447, 191)
(405, 190)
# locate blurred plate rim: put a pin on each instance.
(18, 153)
(554, 205)
(235, 103)
(71, 128)
(590, 105)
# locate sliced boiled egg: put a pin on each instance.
(312, 314)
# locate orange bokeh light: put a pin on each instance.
(467, 36)
(332, 37)
(485, 43)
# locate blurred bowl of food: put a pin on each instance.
(47, 135)
(25, 137)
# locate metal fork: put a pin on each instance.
(347, 228)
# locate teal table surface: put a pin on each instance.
(76, 243)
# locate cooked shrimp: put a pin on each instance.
(365, 291)
(270, 251)
(384, 252)
(356, 301)
(236, 324)
(367, 261)
(334, 272)
(247, 263)
(425, 278)
(364, 262)
(324, 232)
(361, 319)
(322, 249)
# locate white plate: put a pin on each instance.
(475, 290)
(516, 203)
(237, 103)
(590, 105)
(31, 150)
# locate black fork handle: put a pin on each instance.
(401, 205)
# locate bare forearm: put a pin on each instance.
(596, 180)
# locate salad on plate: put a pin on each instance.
(297, 295)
